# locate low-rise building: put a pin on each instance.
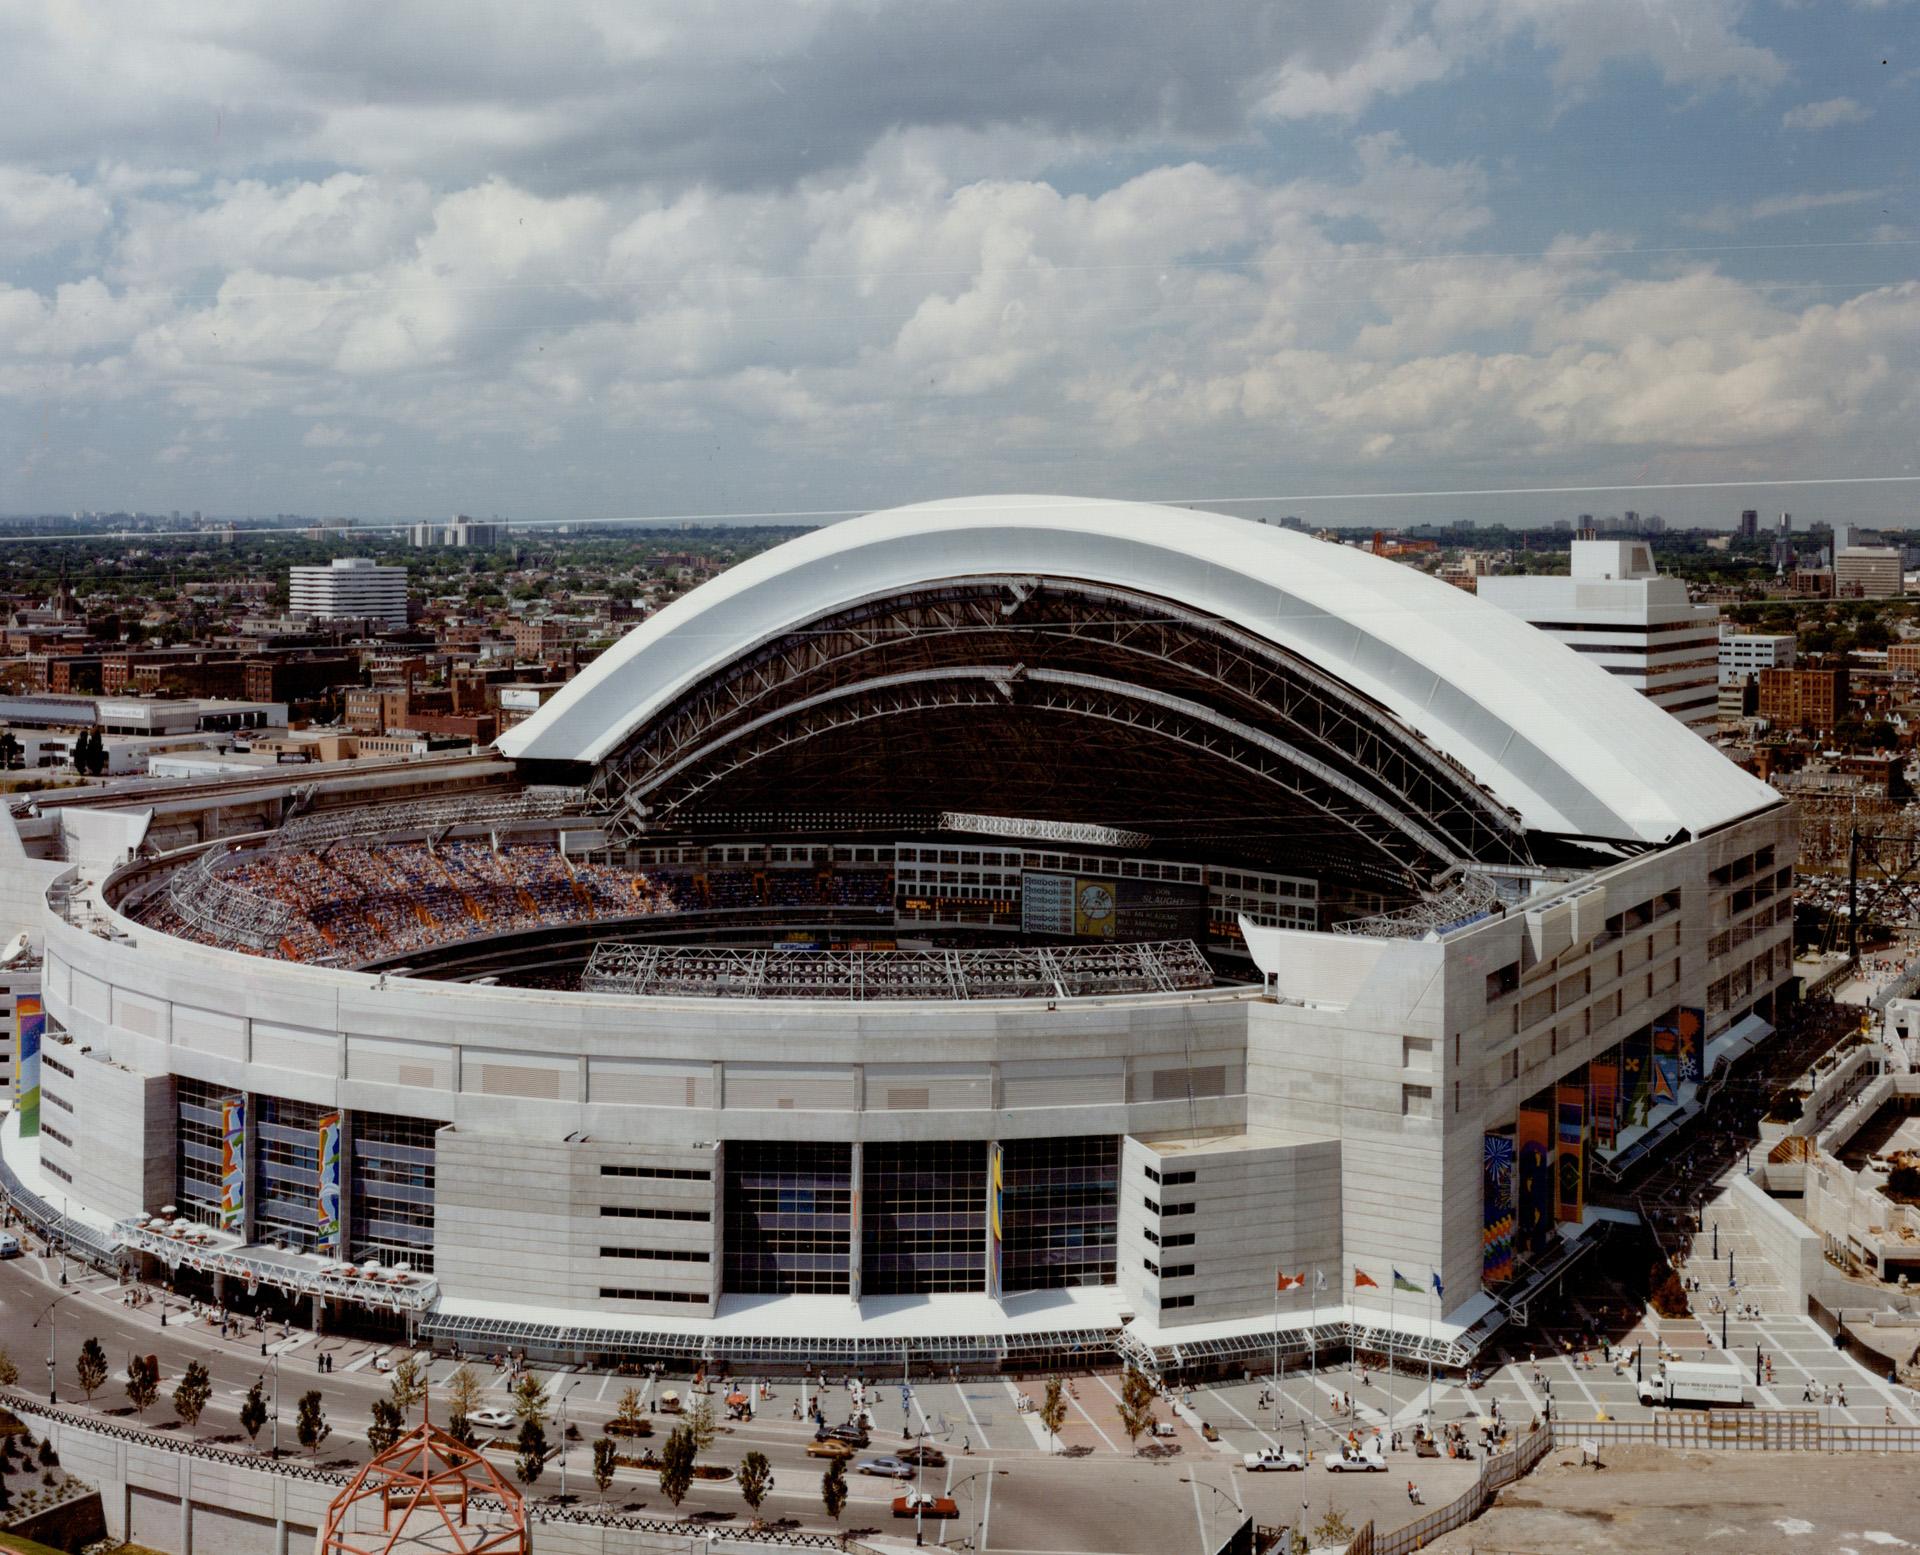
(1810, 699)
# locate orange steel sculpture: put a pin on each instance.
(425, 1482)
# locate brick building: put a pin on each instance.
(1803, 698)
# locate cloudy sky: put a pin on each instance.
(650, 258)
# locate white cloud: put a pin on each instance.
(41, 211)
(1730, 218)
(1825, 115)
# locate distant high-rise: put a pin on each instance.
(351, 588)
(1749, 523)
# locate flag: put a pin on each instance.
(1364, 1281)
(1438, 1288)
(1319, 1279)
(1401, 1282)
(1291, 1281)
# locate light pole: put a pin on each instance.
(974, 1497)
(46, 1316)
(563, 1434)
(1204, 1485)
(276, 1406)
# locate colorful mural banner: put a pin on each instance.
(1693, 1037)
(30, 1026)
(1663, 1079)
(1569, 1174)
(1533, 1203)
(326, 1209)
(233, 1161)
(1636, 1078)
(1496, 1205)
(996, 1190)
(1603, 1098)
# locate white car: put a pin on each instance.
(492, 1419)
(1368, 1460)
(1270, 1460)
(886, 1467)
(9, 1245)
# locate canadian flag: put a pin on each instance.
(1291, 1281)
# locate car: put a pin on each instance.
(925, 1454)
(1270, 1460)
(492, 1419)
(926, 1504)
(830, 1447)
(1368, 1460)
(887, 1467)
(855, 1435)
(9, 1245)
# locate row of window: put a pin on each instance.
(53, 1133)
(627, 1293)
(636, 1212)
(1154, 1207)
(1171, 1179)
(54, 1064)
(657, 1254)
(1168, 1303)
(1173, 1271)
(1171, 1239)
(658, 1173)
(55, 1101)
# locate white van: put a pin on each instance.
(9, 1245)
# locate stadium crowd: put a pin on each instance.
(356, 901)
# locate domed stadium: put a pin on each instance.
(1007, 930)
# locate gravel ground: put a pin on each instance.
(1655, 1502)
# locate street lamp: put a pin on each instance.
(974, 1497)
(563, 1435)
(1204, 1485)
(46, 1316)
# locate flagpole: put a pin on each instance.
(1313, 1335)
(1433, 1277)
(1274, 1380)
(1393, 1286)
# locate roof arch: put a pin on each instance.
(1563, 745)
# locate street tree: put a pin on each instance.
(387, 1423)
(253, 1412)
(310, 1421)
(143, 1382)
(1053, 1410)
(9, 1373)
(191, 1394)
(90, 1370)
(604, 1455)
(530, 1458)
(676, 1465)
(1136, 1404)
(460, 1428)
(464, 1391)
(833, 1488)
(631, 1413)
(756, 1479)
(530, 1400)
(408, 1383)
(701, 1421)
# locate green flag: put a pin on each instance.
(1401, 1282)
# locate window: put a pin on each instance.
(923, 1221)
(1178, 1179)
(59, 1171)
(788, 1225)
(1178, 1209)
(1503, 982)
(1176, 1271)
(392, 1180)
(1150, 1266)
(54, 1064)
(1416, 1101)
(1152, 1236)
(1060, 1212)
(1153, 1205)
(1152, 1175)
(1178, 1239)
(55, 1101)
(658, 1254)
(1168, 1303)
(658, 1173)
(53, 1133)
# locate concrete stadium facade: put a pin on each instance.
(993, 1180)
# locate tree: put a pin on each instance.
(701, 1422)
(191, 1395)
(463, 1391)
(1136, 1404)
(631, 1413)
(143, 1382)
(90, 1370)
(1053, 1410)
(9, 1373)
(310, 1421)
(1332, 1529)
(12, 753)
(530, 1400)
(833, 1488)
(253, 1412)
(408, 1384)
(460, 1428)
(676, 1465)
(531, 1459)
(756, 1479)
(604, 1455)
(388, 1422)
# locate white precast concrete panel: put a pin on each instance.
(1553, 737)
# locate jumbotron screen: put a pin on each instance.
(1093, 907)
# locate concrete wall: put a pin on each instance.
(1790, 1246)
(121, 1127)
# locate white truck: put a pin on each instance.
(1693, 1384)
